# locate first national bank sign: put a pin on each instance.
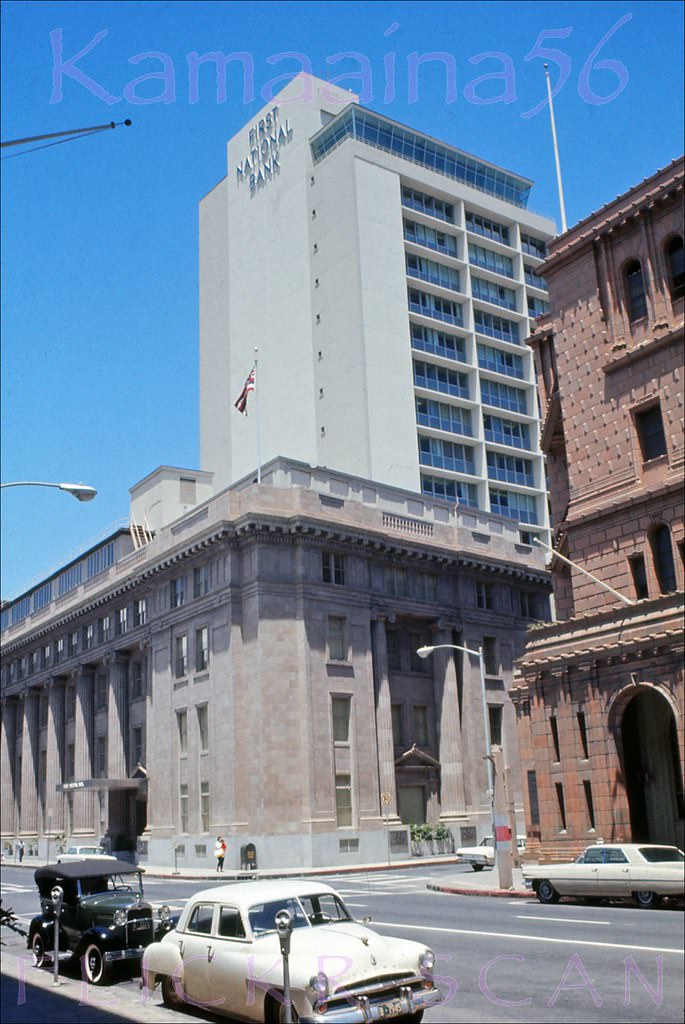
(265, 141)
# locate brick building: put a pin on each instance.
(600, 693)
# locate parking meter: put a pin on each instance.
(284, 927)
(57, 895)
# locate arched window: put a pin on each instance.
(676, 267)
(662, 554)
(635, 291)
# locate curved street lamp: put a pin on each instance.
(82, 492)
(425, 652)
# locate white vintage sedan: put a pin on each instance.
(225, 957)
(640, 871)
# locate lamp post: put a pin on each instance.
(425, 652)
(82, 492)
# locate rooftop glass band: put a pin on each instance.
(355, 122)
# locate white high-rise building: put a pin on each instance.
(388, 281)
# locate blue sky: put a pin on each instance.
(99, 258)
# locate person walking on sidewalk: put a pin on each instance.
(220, 853)
(20, 850)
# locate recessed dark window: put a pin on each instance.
(639, 574)
(582, 729)
(495, 722)
(587, 786)
(635, 291)
(555, 736)
(650, 432)
(533, 800)
(662, 553)
(562, 805)
(676, 267)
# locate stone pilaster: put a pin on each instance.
(384, 738)
(8, 767)
(117, 718)
(29, 765)
(450, 754)
(84, 802)
(54, 801)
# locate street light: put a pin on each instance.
(82, 492)
(425, 652)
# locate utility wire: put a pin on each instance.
(74, 133)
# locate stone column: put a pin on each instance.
(29, 765)
(8, 767)
(84, 802)
(117, 717)
(54, 801)
(384, 739)
(452, 795)
(119, 803)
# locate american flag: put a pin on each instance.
(249, 385)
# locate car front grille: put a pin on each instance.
(139, 927)
(375, 989)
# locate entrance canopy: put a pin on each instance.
(108, 784)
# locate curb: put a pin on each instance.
(510, 893)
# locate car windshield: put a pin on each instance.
(111, 883)
(662, 854)
(315, 909)
(262, 916)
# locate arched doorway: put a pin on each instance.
(651, 763)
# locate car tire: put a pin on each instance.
(170, 994)
(546, 892)
(96, 970)
(38, 950)
(477, 867)
(274, 1012)
(645, 899)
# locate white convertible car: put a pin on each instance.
(224, 957)
(483, 855)
(639, 871)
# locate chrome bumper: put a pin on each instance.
(123, 954)
(359, 1009)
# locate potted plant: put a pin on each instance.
(421, 840)
(443, 840)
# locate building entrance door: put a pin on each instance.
(652, 770)
(411, 802)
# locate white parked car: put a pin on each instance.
(641, 871)
(224, 957)
(82, 853)
(483, 855)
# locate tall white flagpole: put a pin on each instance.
(564, 225)
(256, 395)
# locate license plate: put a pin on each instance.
(140, 923)
(393, 1008)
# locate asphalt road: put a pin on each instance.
(499, 960)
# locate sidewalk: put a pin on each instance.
(467, 882)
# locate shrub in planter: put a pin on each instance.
(421, 839)
(444, 840)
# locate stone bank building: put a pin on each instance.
(251, 670)
(600, 694)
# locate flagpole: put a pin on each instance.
(564, 226)
(256, 395)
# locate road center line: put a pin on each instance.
(564, 920)
(530, 938)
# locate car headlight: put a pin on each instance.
(427, 961)
(319, 984)
(119, 918)
(164, 912)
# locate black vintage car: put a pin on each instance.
(103, 917)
